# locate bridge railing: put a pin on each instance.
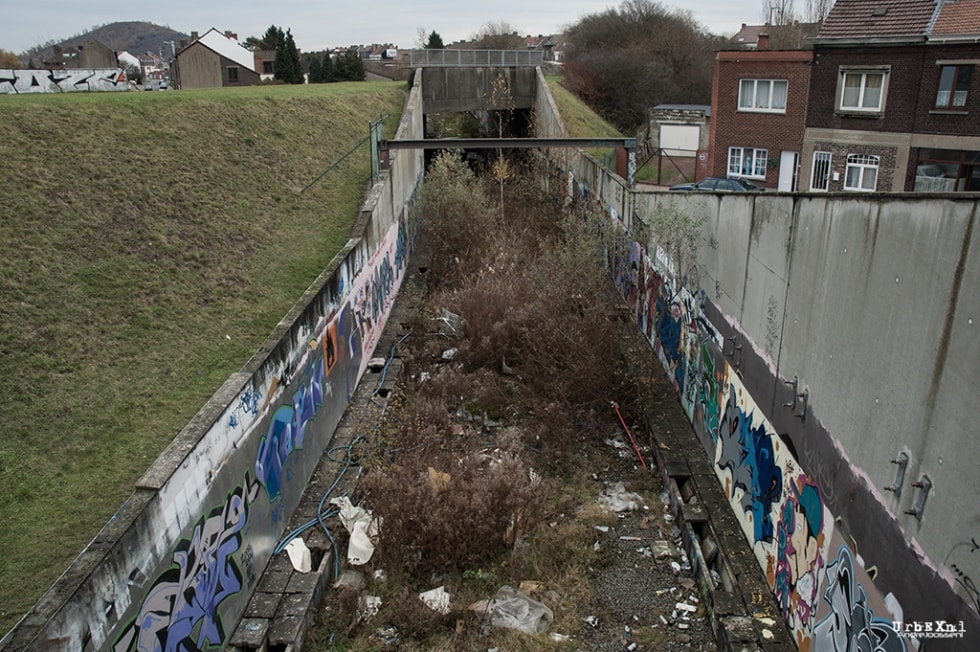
(459, 58)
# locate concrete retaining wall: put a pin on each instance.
(175, 566)
(812, 341)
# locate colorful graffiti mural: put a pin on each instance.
(798, 557)
(181, 611)
(851, 624)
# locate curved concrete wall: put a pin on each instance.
(174, 568)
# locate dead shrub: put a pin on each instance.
(439, 514)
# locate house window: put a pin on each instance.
(820, 175)
(862, 172)
(232, 73)
(767, 95)
(954, 82)
(747, 162)
(862, 91)
(268, 67)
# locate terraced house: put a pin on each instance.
(894, 98)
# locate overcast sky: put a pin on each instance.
(318, 25)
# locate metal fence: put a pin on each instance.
(437, 58)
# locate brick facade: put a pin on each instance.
(774, 132)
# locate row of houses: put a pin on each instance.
(887, 99)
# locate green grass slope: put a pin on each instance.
(149, 243)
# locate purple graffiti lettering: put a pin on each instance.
(181, 610)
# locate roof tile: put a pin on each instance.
(871, 18)
(958, 17)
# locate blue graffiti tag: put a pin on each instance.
(747, 452)
(287, 428)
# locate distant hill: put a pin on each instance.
(134, 37)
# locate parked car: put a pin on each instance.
(719, 184)
(162, 85)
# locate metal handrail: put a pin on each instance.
(466, 58)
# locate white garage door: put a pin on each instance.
(680, 140)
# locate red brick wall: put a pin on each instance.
(774, 132)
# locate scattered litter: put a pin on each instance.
(449, 354)
(591, 621)
(350, 579)
(436, 599)
(559, 638)
(379, 575)
(683, 625)
(376, 364)
(361, 526)
(683, 606)
(631, 647)
(663, 620)
(630, 538)
(424, 376)
(669, 518)
(602, 528)
(615, 443)
(368, 607)
(299, 555)
(766, 620)
(453, 322)
(615, 498)
(387, 635)
(676, 567)
(767, 634)
(662, 549)
(513, 609)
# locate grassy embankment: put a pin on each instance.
(149, 243)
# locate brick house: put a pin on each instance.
(214, 60)
(759, 103)
(894, 98)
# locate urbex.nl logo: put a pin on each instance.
(930, 629)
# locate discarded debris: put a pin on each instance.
(513, 609)
(299, 555)
(436, 599)
(662, 549)
(615, 498)
(449, 354)
(362, 528)
(368, 607)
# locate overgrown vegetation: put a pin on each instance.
(484, 479)
(149, 244)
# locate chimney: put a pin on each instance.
(763, 43)
(194, 36)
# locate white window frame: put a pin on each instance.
(749, 91)
(862, 75)
(828, 157)
(863, 165)
(737, 156)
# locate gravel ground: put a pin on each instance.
(647, 597)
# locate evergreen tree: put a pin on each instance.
(295, 67)
(434, 42)
(350, 67)
(316, 71)
(328, 73)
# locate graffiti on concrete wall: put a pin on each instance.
(967, 586)
(181, 610)
(747, 466)
(851, 623)
(62, 81)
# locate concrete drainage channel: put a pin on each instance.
(741, 608)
